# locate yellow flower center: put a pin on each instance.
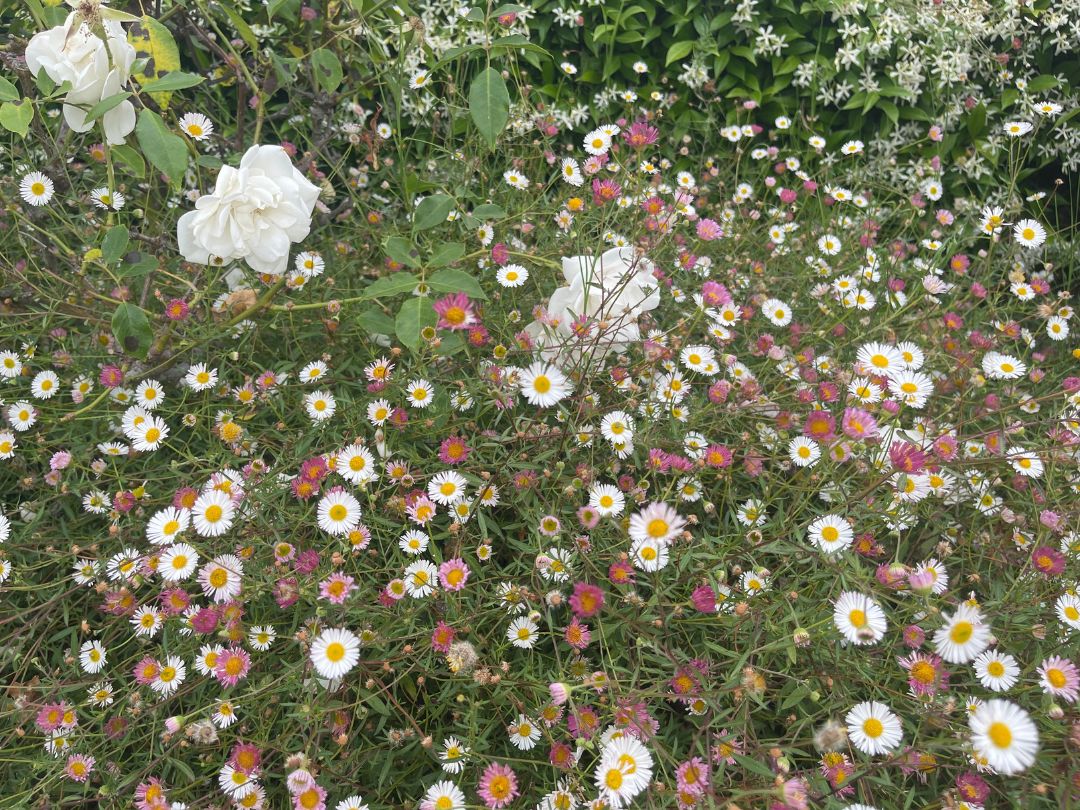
(658, 527)
(961, 632)
(1000, 735)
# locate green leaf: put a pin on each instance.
(489, 211)
(517, 42)
(8, 91)
(327, 69)
(132, 330)
(376, 322)
(114, 244)
(45, 85)
(1042, 83)
(136, 265)
(242, 28)
(131, 157)
(447, 254)
(15, 116)
(450, 280)
(273, 7)
(400, 250)
(678, 50)
(451, 343)
(489, 104)
(891, 110)
(176, 80)
(976, 122)
(154, 42)
(162, 148)
(433, 211)
(415, 314)
(106, 104)
(394, 284)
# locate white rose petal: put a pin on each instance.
(615, 289)
(95, 70)
(254, 213)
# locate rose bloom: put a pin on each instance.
(73, 53)
(614, 289)
(254, 213)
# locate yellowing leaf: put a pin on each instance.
(153, 41)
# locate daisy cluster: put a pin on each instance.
(640, 478)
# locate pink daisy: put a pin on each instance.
(78, 767)
(442, 637)
(692, 776)
(587, 600)
(313, 797)
(455, 311)
(232, 666)
(453, 574)
(454, 450)
(146, 671)
(926, 675)
(577, 635)
(498, 786)
(336, 588)
(1059, 677)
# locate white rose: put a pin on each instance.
(72, 53)
(611, 293)
(254, 213)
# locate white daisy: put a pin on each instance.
(334, 652)
(996, 671)
(859, 618)
(512, 275)
(543, 385)
(524, 733)
(356, 464)
(338, 512)
(196, 126)
(873, 728)
(447, 487)
(177, 562)
(649, 555)
(212, 513)
(92, 656)
(624, 770)
(36, 189)
(320, 405)
(1004, 735)
(831, 533)
(523, 632)
(963, 636)
(421, 393)
(199, 377)
(803, 451)
(421, 578)
(777, 312)
(222, 578)
(170, 676)
(44, 385)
